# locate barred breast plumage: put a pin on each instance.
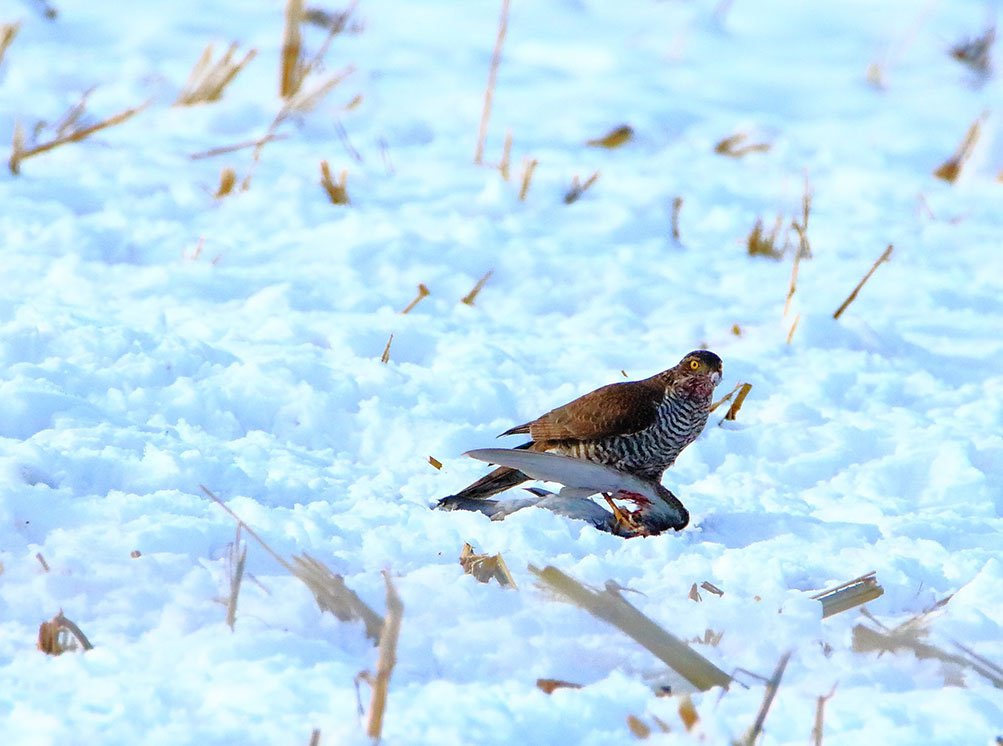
(636, 426)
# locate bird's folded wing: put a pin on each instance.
(616, 409)
(571, 472)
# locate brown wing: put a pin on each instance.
(616, 409)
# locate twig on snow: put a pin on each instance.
(482, 132)
(611, 607)
(852, 296)
(771, 691)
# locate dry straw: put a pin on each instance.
(505, 165)
(528, 167)
(849, 595)
(489, 91)
(772, 685)
(677, 206)
(611, 607)
(578, 188)
(950, 169)
(470, 297)
(208, 78)
(742, 389)
(59, 635)
(328, 588)
(614, 138)
(69, 129)
(885, 256)
(735, 146)
(337, 191)
(385, 357)
(7, 33)
(387, 659)
(976, 53)
(763, 242)
(237, 560)
(819, 727)
(486, 567)
(423, 292)
(227, 181)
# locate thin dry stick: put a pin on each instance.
(388, 165)
(49, 635)
(817, 729)
(611, 607)
(346, 143)
(733, 146)
(804, 248)
(506, 158)
(528, 167)
(638, 728)
(976, 53)
(68, 121)
(7, 33)
(771, 691)
(423, 292)
(577, 188)
(386, 661)
(251, 532)
(743, 391)
(470, 297)
(950, 169)
(711, 588)
(224, 149)
(726, 397)
(688, 712)
(301, 102)
(484, 567)
(759, 242)
(74, 630)
(866, 640)
(549, 686)
(329, 589)
(482, 133)
(208, 79)
(385, 357)
(20, 151)
(42, 562)
(614, 138)
(333, 595)
(291, 71)
(794, 328)
(849, 595)
(883, 258)
(337, 191)
(897, 47)
(227, 181)
(677, 206)
(238, 561)
(792, 288)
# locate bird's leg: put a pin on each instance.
(621, 516)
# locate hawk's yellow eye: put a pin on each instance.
(694, 364)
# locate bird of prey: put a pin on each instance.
(638, 427)
(655, 509)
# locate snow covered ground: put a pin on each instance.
(153, 338)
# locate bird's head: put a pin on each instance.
(700, 368)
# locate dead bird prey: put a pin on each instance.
(638, 427)
(655, 509)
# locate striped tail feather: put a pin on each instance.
(496, 481)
